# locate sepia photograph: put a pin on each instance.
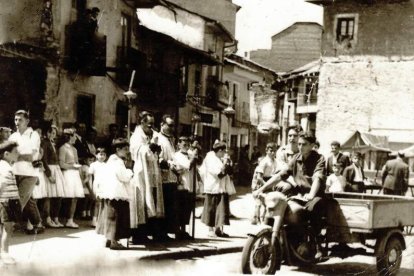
(206, 137)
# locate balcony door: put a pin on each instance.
(85, 109)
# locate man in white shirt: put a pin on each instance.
(25, 171)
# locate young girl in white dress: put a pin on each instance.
(69, 163)
(51, 178)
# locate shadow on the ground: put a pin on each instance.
(65, 233)
(170, 246)
(348, 268)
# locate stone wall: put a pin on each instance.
(384, 28)
(105, 92)
(367, 94)
(63, 87)
(20, 20)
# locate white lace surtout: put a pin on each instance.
(209, 170)
(73, 184)
(116, 180)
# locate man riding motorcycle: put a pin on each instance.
(307, 192)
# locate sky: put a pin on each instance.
(258, 20)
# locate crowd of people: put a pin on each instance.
(142, 189)
(297, 173)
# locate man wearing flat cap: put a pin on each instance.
(395, 176)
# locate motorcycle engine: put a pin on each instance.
(306, 250)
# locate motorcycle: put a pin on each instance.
(291, 241)
(287, 237)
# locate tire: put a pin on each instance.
(389, 262)
(258, 256)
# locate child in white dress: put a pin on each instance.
(96, 175)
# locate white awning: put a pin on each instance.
(179, 24)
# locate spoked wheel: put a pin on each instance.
(302, 246)
(259, 256)
(389, 263)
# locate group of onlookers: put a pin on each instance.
(299, 177)
(341, 172)
(45, 179)
(143, 188)
(165, 180)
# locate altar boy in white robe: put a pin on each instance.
(184, 164)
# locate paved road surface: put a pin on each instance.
(229, 264)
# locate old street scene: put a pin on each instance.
(227, 137)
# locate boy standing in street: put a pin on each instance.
(10, 208)
(266, 168)
(184, 165)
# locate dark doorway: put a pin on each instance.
(210, 134)
(22, 86)
(85, 109)
(121, 114)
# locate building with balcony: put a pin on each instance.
(300, 98)
(365, 81)
(202, 78)
(78, 63)
(59, 58)
(240, 74)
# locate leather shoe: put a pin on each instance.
(39, 229)
(30, 231)
(222, 234)
(140, 240)
(117, 246)
(162, 238)
(183, 236)
(107, 243)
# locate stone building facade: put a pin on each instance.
(65, 92)
(365, 80)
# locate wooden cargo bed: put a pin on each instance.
(369, 212)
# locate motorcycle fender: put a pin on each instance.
(383, 239)
(258, 230)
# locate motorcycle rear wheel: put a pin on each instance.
(259, 256)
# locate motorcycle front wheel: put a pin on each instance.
(259, 256)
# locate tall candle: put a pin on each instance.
(132, 80)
